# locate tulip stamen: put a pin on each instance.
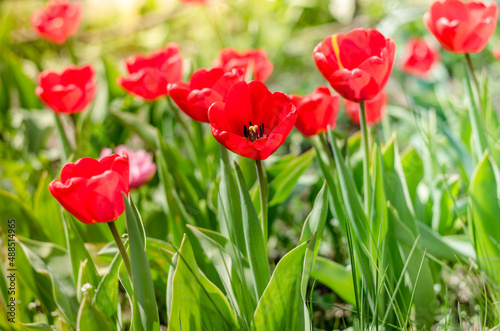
(253, 132)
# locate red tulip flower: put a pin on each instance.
(150, 75)
(91, 190)
(357, 64)
(205, 87)
(462, 27)
(69, 92)
(374, 109)
(58, 20)
(316, 111)
(419, 57)
(253, 122)
(252, 61)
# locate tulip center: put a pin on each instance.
(253, 132)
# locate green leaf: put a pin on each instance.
(25, 86)
(379, 214)
(145, 310)
(282, 306)
(229, 204)
(254, 237)
(231, 274)
(315, 221)
(484, 211)
(89, 318)
(478, 132)
(444, 195)
(106, 297)
(47, 208)
(11, 207)
(336, 277)
(52, 276)
(78, 252)
(36, 326)
(282, 185)
(196, 303)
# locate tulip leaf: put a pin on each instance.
(229, 204)
(282, 185)
(315, 221)
(47, 208)
(24, 85)
(145, 311)
(89, 318)
(36, 326)
(336, 277)
(484, 210)
(254, 237)
(106, 296)
(78, 252)
(195, 302)
(282, 306)
(230, 273)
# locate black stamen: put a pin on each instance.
(250, 123)
(245, 131)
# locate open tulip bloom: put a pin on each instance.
(58, 20)
(253, 122)
(68, 92)
(356, 64)
(462, 27)
(205, 87)
(151, 75)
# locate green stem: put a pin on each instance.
(365, 140)
(121, 248)
(66, 147)
(472, 73)
(261, 175)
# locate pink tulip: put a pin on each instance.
(142, 167)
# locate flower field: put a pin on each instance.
(249, 165)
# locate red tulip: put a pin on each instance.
(316, 111)
(253, 122)
(254, 60)
(374, 109)
(357, 64)
(205, 87)
(58, 20)
(419, 57)
(69, 92)
(150, 75)
(462, 27)
(91, 190)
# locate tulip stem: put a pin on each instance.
(470, 65)
(121, 248)
(261, 175)
(365, 139)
